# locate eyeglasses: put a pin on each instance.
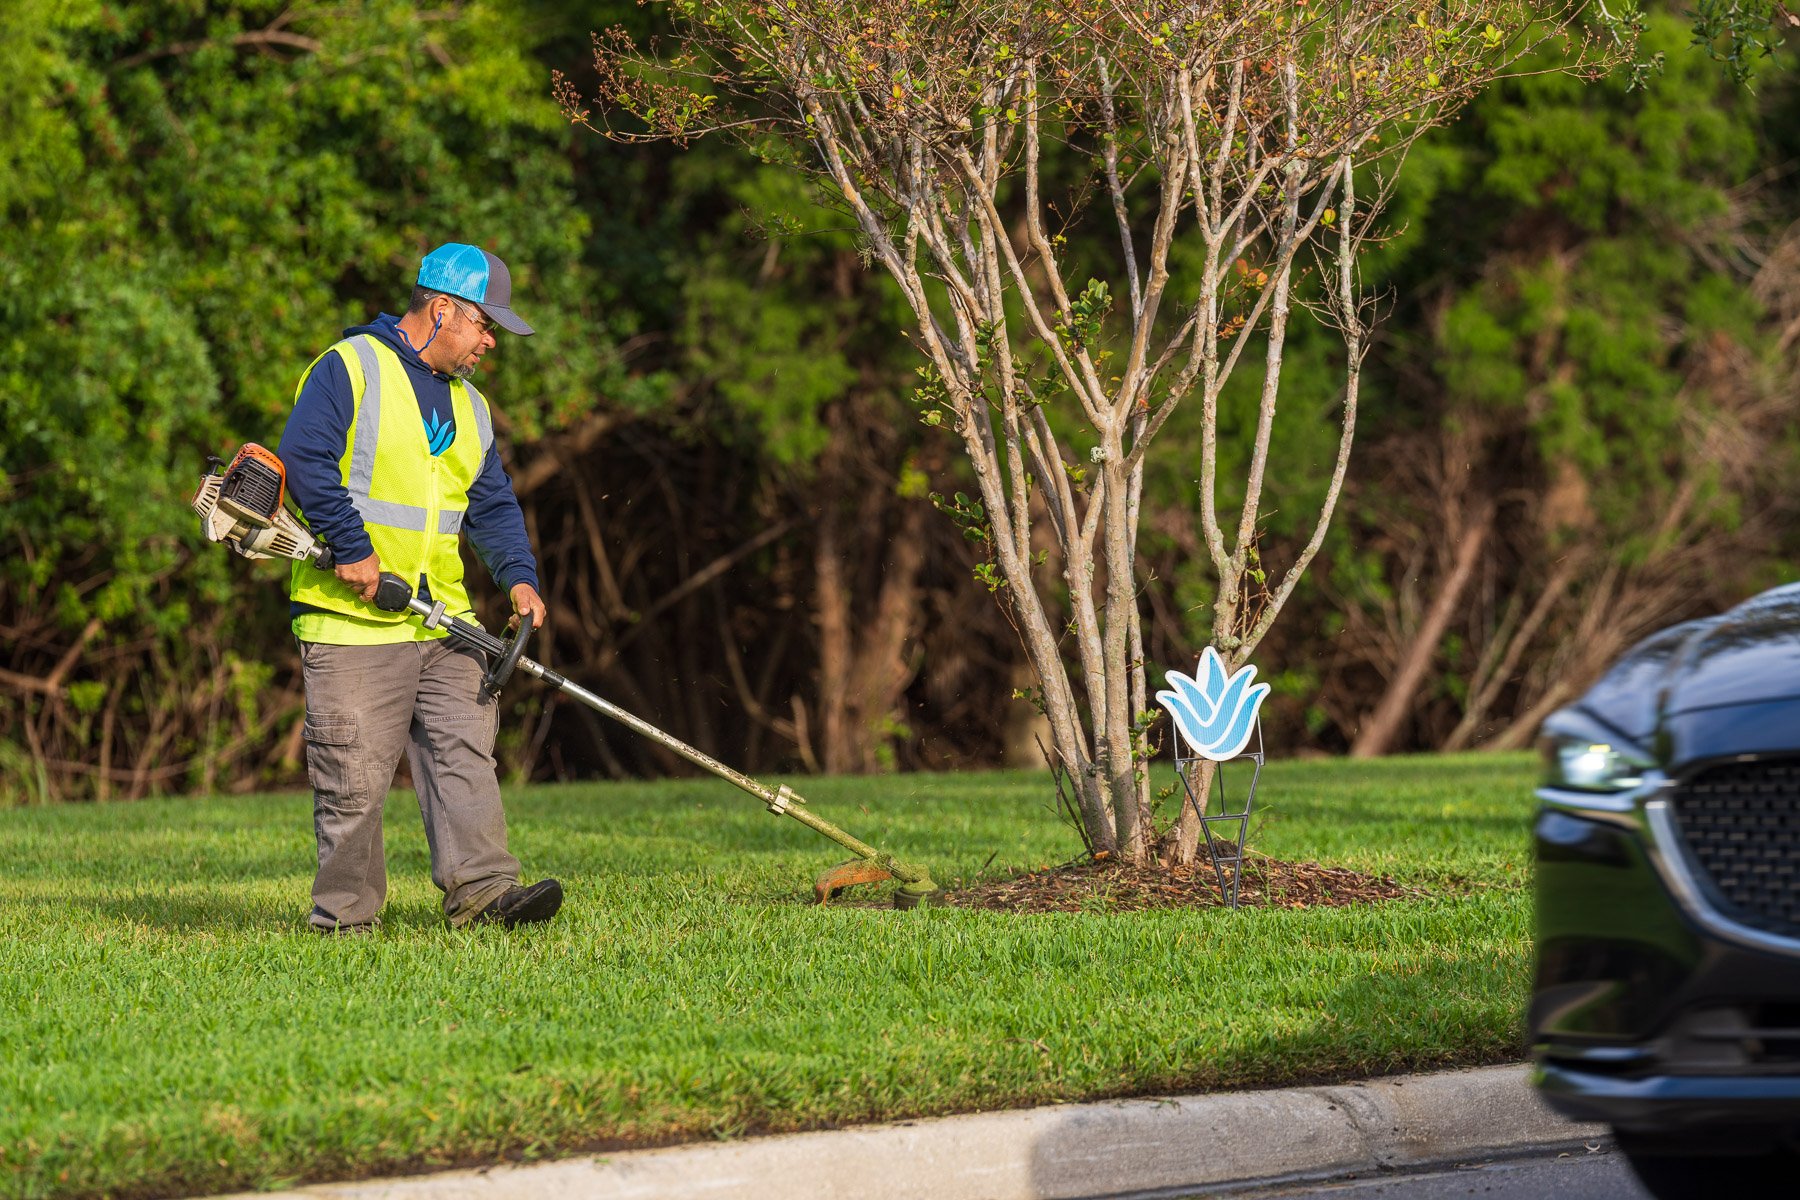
(474, 317)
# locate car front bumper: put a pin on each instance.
(1670, 1103)
(1649, 1012)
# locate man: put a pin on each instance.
(390, 453)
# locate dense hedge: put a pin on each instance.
(1587, 349)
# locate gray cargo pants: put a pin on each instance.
(364, 704)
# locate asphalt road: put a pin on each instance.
(1596, 1175)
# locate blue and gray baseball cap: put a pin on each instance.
(474, 274)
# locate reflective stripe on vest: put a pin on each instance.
(387, 466)
(368, 434)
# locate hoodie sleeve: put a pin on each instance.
(496, 526)
(312, 445)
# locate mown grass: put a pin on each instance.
(168, 1025)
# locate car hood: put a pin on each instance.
(1675, 682)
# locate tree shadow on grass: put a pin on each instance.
(1435, 1018)
(115, 862)
(223, 910)
(198, 909)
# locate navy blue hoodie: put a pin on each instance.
(319, 428)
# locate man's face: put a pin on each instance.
(463, 337)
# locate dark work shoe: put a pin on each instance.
(343, 930)
(523, 905)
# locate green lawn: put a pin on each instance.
(168, 1025)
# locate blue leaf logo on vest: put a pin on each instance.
(439, 433)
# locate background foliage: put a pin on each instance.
(1579, 428)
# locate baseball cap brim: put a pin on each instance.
(473, 274)
(506, 319)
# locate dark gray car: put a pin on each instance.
(1667, 995)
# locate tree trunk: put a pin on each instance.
(1184, 847)
(1380, 729)
(863, 666)
(881, 672)
(1120, 760)
(831, 610)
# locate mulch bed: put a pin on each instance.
(1088, 886)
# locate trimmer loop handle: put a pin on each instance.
(502, 670)
(393, 594)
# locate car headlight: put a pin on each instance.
(1584, 764)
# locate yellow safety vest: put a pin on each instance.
(412, 503)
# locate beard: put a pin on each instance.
(466, 371)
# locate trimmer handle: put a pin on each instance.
(502, 670)
(392, 593)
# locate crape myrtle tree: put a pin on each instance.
(1241, 150)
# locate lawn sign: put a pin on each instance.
(1215, 714)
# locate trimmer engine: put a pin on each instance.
(244, 506)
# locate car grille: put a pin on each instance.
(1741, 822)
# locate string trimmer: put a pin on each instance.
(244, 506)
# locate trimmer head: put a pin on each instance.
(857, 871)
(833, 880)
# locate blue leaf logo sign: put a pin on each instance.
(1214, 712)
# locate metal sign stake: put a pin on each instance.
(1231, 858)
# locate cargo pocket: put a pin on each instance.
(331, 762)
(476, 723)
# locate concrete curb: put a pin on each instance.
(1113, 1148)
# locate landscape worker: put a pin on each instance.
(390, 456)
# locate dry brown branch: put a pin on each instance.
(696, 580)
(261, 39)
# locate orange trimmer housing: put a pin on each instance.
(255, 485)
